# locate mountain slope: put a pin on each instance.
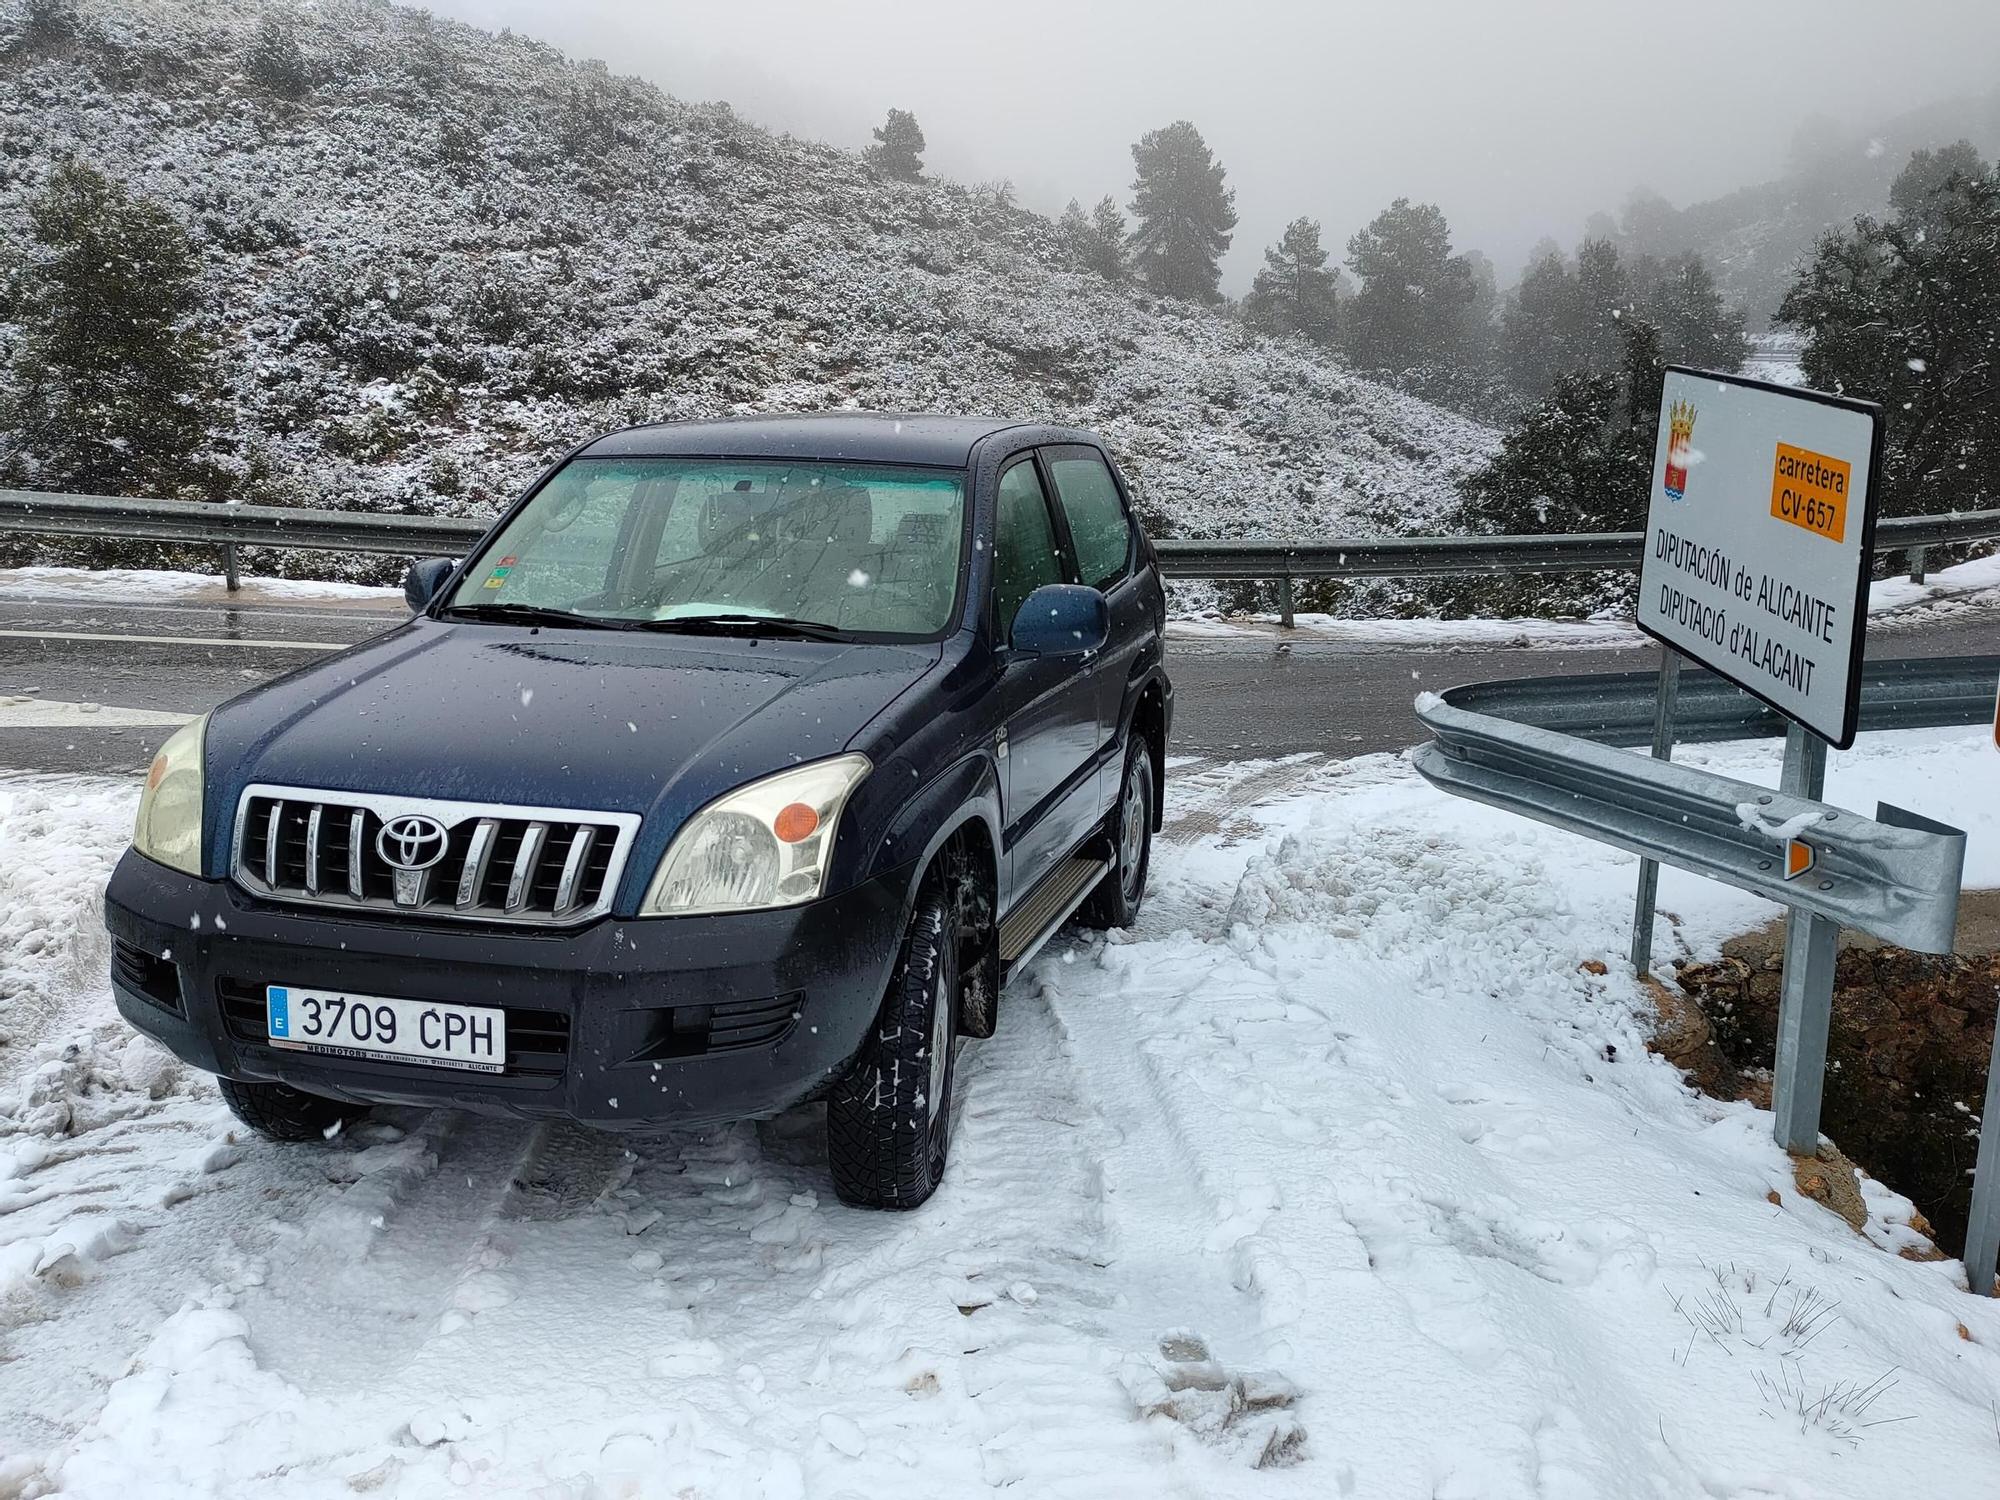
(437, 256)
(1757, 237)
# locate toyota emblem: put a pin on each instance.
(411, 842)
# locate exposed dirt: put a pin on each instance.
(1907, 1053)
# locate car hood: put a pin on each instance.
(606, 721)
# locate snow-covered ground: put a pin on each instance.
(1339, 1163)
(163, 585)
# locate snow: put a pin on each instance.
(1977, 581)
(1520, 633)
(1339, 1164)
(459, 253)
(150, 585)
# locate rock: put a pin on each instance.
(1830, 1178)
(1684, 1037)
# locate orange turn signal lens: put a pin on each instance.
(156, 773)
(795, 822)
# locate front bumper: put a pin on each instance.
(621, 1024)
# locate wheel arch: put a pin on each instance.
(1148, 720)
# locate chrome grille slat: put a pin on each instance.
(525, 859)
(271, 831)
(312, 849)
(357, 824)
(473, 876)
(572, 870)
(561, 866)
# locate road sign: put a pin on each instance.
(1758, 538)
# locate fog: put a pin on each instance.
(1518, 117)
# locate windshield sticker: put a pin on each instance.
(499, 574)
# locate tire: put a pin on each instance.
(280, 1112)
(1116, 901)
(888, 1122)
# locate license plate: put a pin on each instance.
(426, 1031)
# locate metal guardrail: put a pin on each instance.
(1882, 876)
(1896, 875)
(1616, 708)
(233, 526)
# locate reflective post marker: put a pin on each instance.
(1649, 869)
(1806, 1009)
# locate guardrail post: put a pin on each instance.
(1649, 869)
(230, 575)
(1982, 1235)
(1805, 1010)
(1916, 556)
(1285, 601)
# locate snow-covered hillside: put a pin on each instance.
(454, 253)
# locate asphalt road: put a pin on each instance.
(1243, 697)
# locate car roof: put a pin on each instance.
(838, 436)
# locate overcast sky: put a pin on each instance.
(1518, 117)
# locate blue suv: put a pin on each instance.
(737, 766)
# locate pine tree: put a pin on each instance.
(1537, 328)
(1679, 296)
(899, 147)
(1295, 293)
(1108, 252)
(1415, 305)
(1604, 299)
(1581, 459)
(110, 380)
(1907, 312)
(1074, 230)
(1185, 213)
(1560, 322)
(1921, 189)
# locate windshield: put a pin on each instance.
(864, 550)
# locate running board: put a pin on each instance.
(1038, 918)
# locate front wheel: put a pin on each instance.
(1115, 902)
(888, 1123)
(280, 1112)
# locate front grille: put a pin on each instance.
(537, 1040)
(154, 978)
(489, 863)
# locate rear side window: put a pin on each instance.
(1097, 523)
(1024, 544)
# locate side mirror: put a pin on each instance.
(1061, 619)
(425, 578)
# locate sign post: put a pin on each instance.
(1758, 540)
(1649, 869)
(1805, 1008)
(1982, 1232)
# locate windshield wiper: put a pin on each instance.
(751, 625)
(526, 614)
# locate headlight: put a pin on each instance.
(169, 825)
(765, 844)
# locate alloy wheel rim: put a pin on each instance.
(1132, 830)
(940, 1044)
